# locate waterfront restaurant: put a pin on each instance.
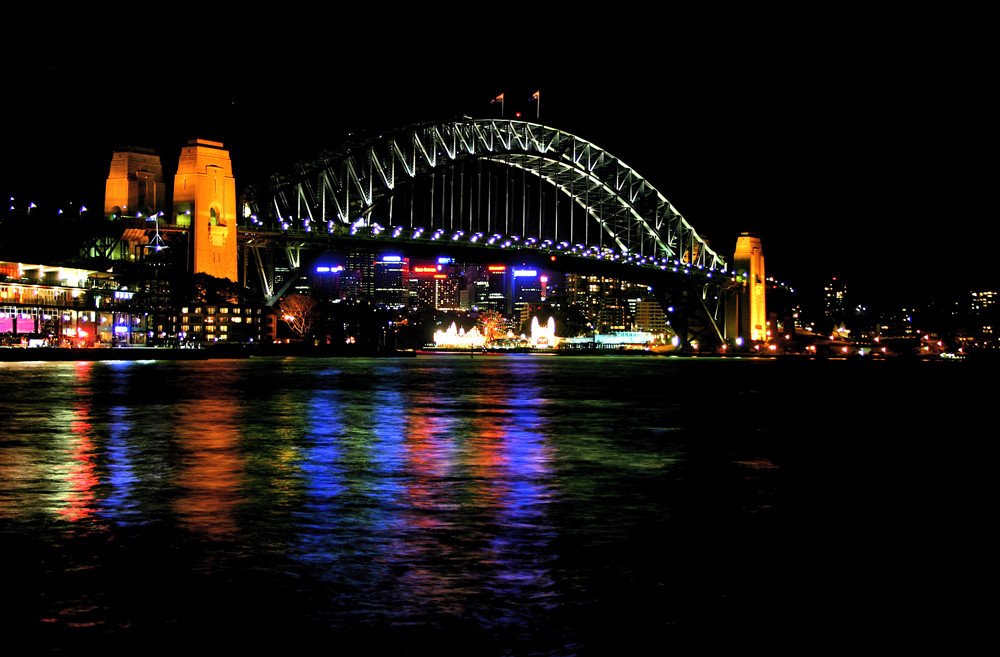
(43, 305)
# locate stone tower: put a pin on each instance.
(135, 184)
(205, 203)
(749, 261)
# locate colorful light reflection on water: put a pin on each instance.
(453, 505)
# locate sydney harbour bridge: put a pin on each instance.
(488, 190)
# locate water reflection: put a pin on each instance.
(120, 503)
(78, 470)
(495, 495)
(211, 467)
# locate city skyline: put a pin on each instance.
(819, 156)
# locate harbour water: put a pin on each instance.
(496, 505)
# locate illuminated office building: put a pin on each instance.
(525, 288)
(392, 281)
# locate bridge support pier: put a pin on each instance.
(693, 312)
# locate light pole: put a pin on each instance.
(156, 245)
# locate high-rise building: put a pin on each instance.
(436, 285)
(984, 313)
(360, 264)
(835, 299)
(392, 275)
(525, 288)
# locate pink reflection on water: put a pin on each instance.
(81, 474)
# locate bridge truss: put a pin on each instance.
(487, 182)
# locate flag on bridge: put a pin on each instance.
(498, 99)
(534, 96)
(537, 96)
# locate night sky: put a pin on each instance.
(853, 148)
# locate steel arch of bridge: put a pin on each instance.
(345, 189)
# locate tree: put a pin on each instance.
(297, 311)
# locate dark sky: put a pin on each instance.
(851, 148)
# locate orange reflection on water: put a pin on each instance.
(211, 471)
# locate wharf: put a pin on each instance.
(20, 354)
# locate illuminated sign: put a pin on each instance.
(440, 276)
(329, 270)
(444, 260)
(497, 268)
(392, 258)
(526, 272)
(123, 295)
(425, 270)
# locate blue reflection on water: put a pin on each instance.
(119, 503)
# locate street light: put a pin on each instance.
(157, 242)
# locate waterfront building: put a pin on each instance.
(43, 305)
(984, 316)
(226, 322)
(649, 317)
